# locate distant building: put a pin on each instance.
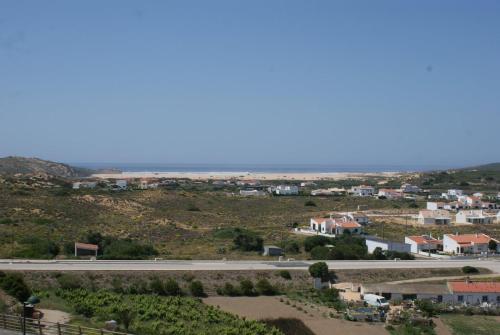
(335, 226)
(284, 190)
(121, 183)
(307, 184)
(475, 293)
(272, 250)
(252, 193)
(390, 193)
(423, 243)
(472, 201)
(437, 216)
(84, 184)
(360, 218)
(474, 216)
(374, 242)
(327, 192)
(433, 206)
(362, 191)
(467, 243)
(408, 188)
(86, 249)
(452, 194)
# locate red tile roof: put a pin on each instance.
(474, 287)
(470, 238)
(347, 224)
(424, 240)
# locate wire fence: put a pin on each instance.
(38, 327)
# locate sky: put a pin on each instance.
(251, 82)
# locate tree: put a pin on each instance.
(125, 316)
(320, 252)
(469, 269)
(319, 270)
(196, 288)
(264, 287)
(313, 241)
(247, 288)
(171, 287)
(492, 245)
(292, 247)
(378, 253)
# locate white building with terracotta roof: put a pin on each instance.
(438, 216)
(335, 226)
(467, 243)
(423, 243)
(475, 293)
(474, 216)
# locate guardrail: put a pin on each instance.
(38, 327)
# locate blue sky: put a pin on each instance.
(263, 82)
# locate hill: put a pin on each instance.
(486, 167)
(12, 165)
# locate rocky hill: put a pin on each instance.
(13, 165)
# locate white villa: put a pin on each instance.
(284, 190)
(408, 188)
(452, 194)
(467, 243)
(335, 226)
(437, 216)
(360, 218)
(423, 243)
(390, 193)
(474, 216)
(362, 191)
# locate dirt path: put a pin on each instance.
(55, 316)
(441, 328)
(491, 275)
(271, 308)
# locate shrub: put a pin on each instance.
(319, 270)
(313, 241)
(247, 241)
(469, 269)
(320, 252)
(196, 288)
(14, 285)
(128, 249)
(285, 274)
(264, 287)
(292, 247)
(310, 203)
(68, 281)
(247, 288)
(230, 290)
(193, 208)
(172, 287)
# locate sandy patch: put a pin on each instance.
(270, 308)
(55, 316)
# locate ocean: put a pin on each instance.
(258, 168)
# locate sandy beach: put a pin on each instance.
(248, 175)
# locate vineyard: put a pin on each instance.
(150, 314)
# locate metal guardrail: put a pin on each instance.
(38, 327)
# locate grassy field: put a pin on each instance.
(474, 324)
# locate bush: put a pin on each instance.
(128, 249)
(427, 307)
(285, 274)
(319, 270)
(320, 252)
(469, 269)
(317, 240)
(247, 241)
(310, 203)
(264, 287)
(68, 281)
(156, 286)
(172, 287)
(247, 288)
(196, 288)
(230, 290)
(292, 247)
(14, 285)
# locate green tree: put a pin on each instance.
(247, 288)
(319, 270)
(492, 245)
(264, 287)
(196, 288)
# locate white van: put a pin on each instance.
(376, 301)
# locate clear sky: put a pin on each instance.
(321, 82)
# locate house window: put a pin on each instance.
(484, 298)
(460, 298)
(440, 298)
(498, 299)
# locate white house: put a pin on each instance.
(475, 293)
(437, 216)
(408, 188)
(121, 183)
(478, 195)
(423, 243)
(390, 193)
(335, 226)
(432, 205)
(467, 243)
(362, 191)
(284, 190)
(472, 202)
(360, 218)
(84, 184)
(474, 216)
(373, 242)
(252, 193)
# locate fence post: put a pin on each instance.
(4, 321)
(102, 332)
(59, 329)
(39, 327)
(79, 330)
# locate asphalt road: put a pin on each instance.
(81, 265)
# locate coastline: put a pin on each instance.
(221, 175)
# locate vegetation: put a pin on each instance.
(469, 269)
(196, 288)
(285, 274)
(14, 285)
(289, 326)
(160, 315)
(472, 324)
(319, 270)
